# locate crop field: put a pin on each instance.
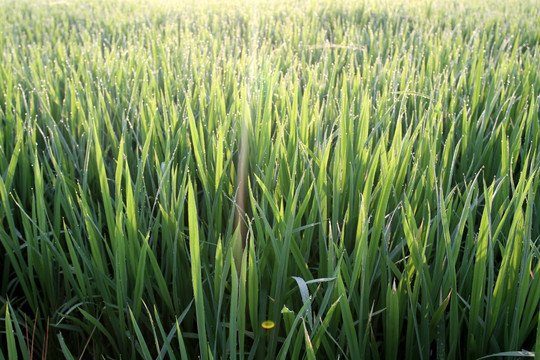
(269, 179)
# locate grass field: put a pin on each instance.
(364, 175)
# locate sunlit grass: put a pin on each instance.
(269, 180)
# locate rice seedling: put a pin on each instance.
(224, 179)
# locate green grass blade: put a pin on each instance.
(194, 249)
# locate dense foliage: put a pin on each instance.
(392, 186)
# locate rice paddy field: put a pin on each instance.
(269, 179)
